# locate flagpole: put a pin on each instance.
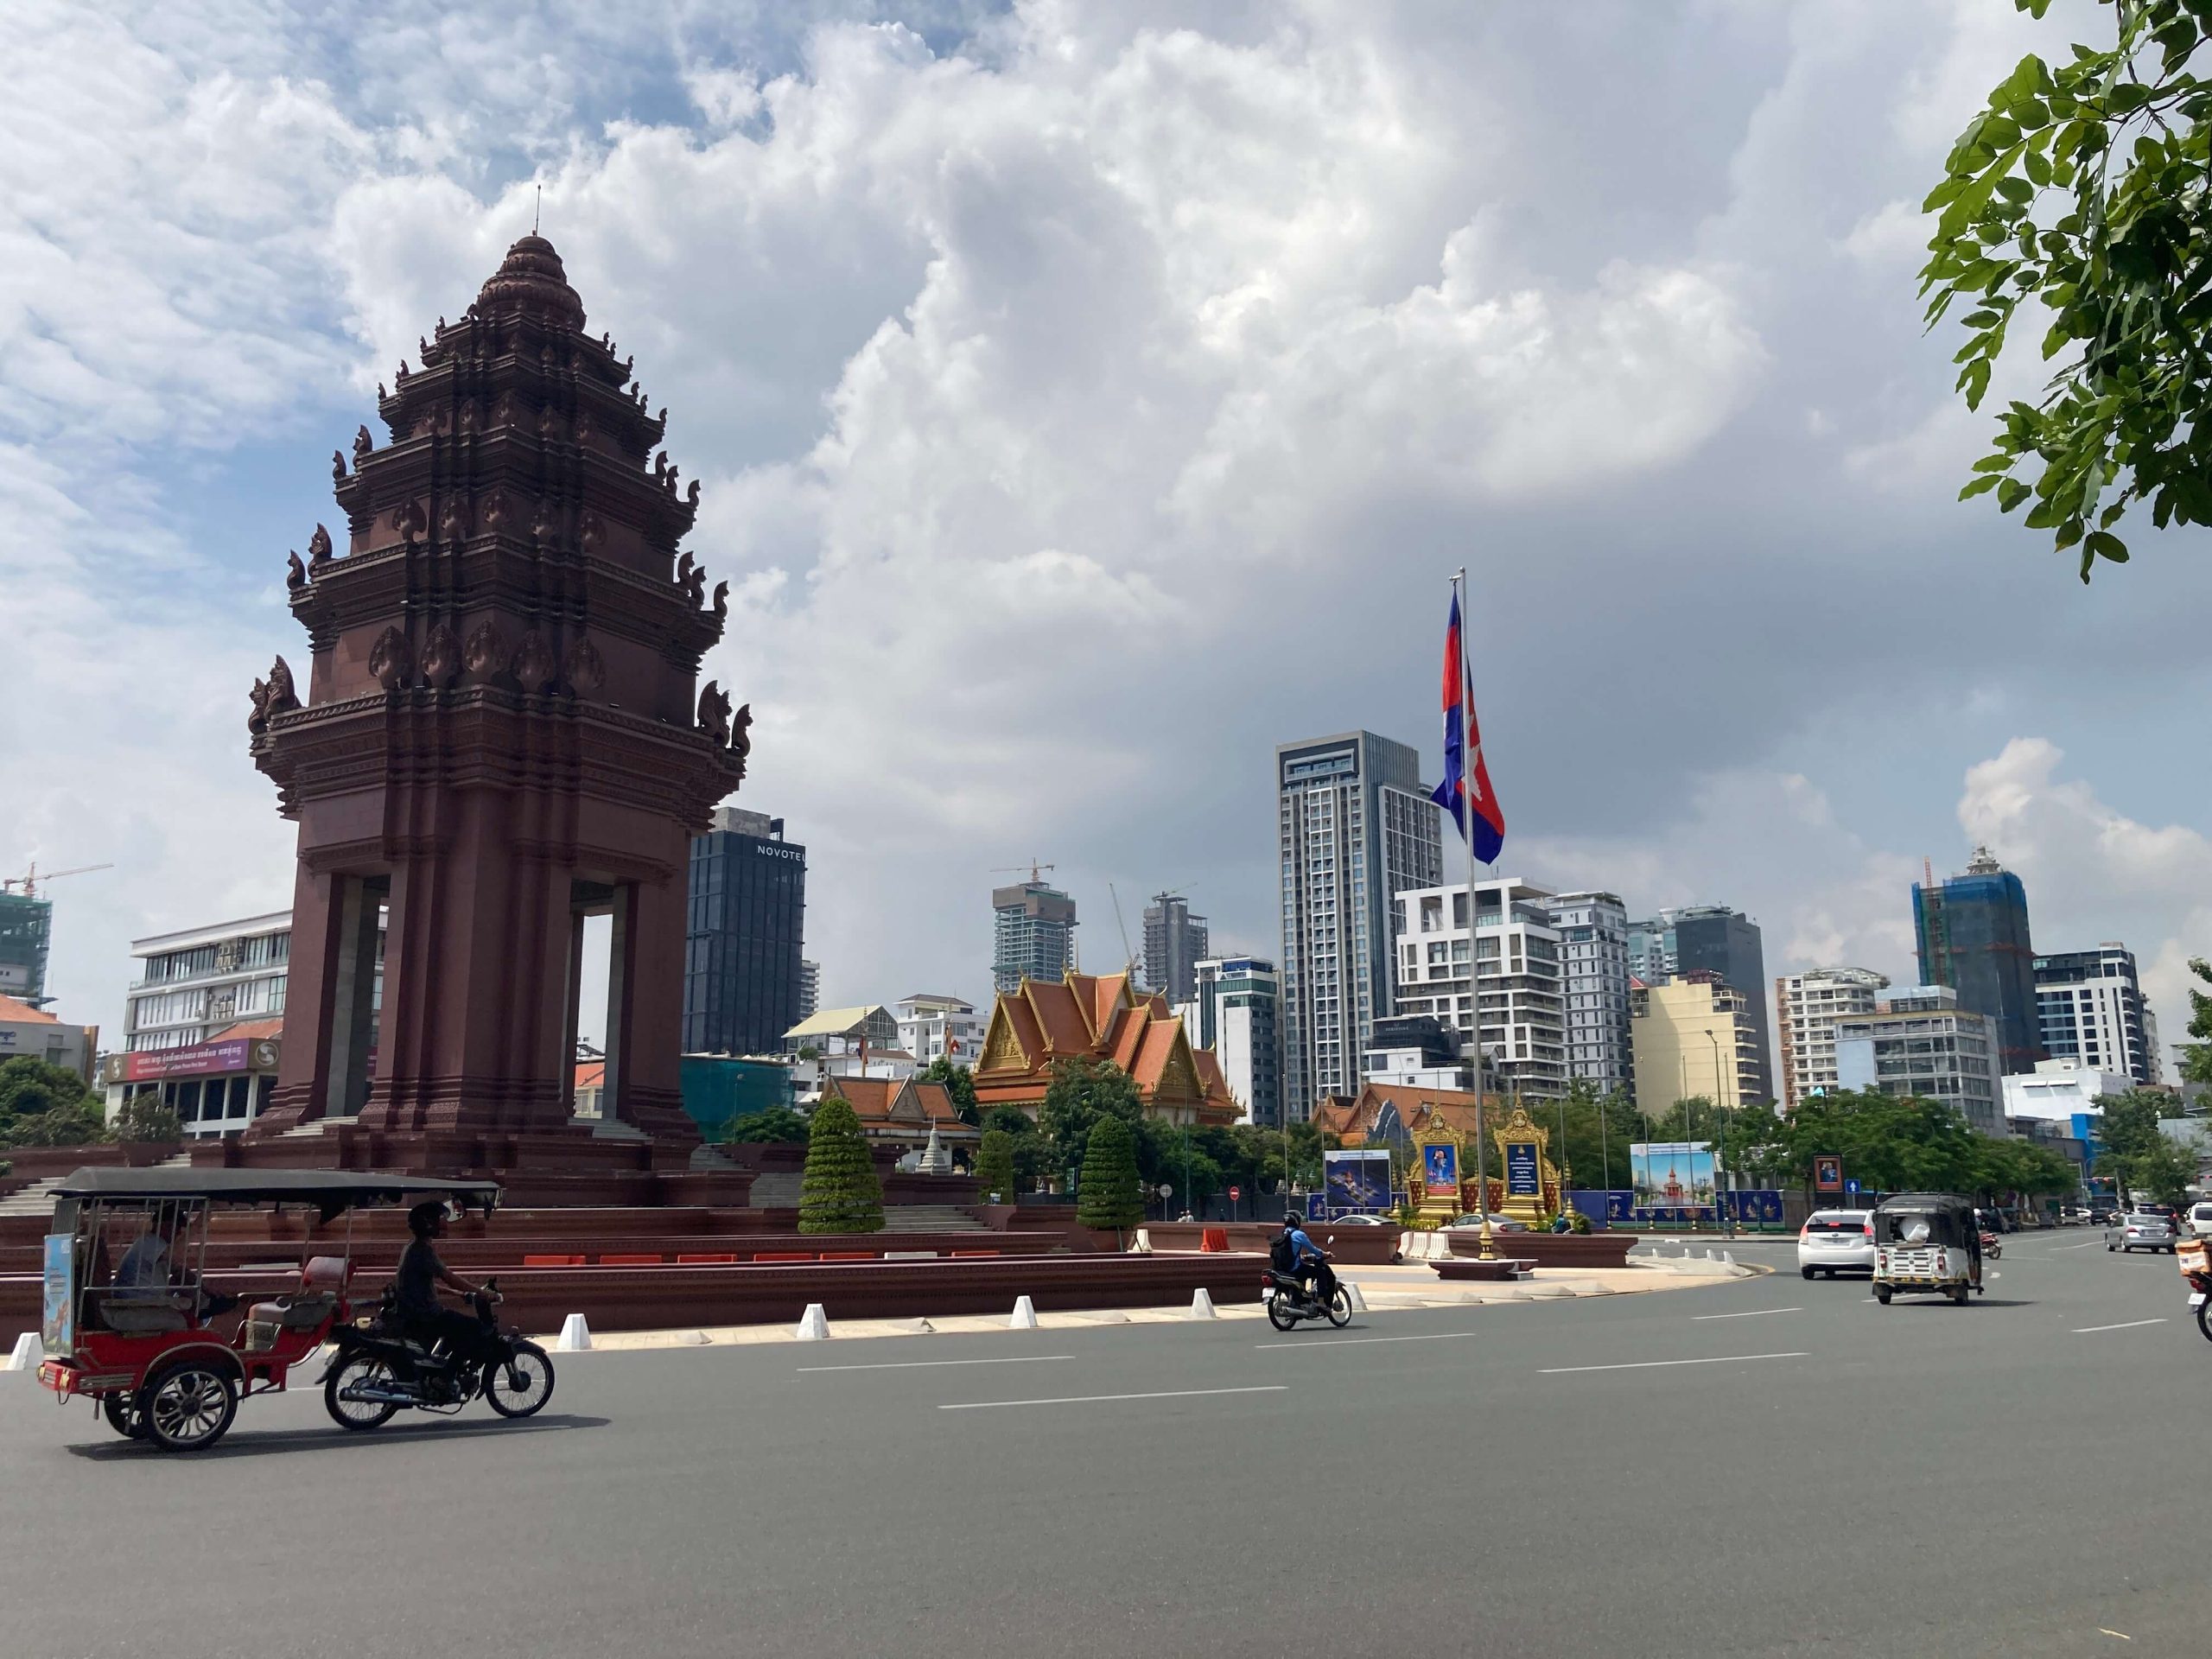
(1487, 1250)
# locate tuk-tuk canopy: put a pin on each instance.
(332, 1190)
(1951, 1217)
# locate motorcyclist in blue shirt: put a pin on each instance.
(1316, 1282)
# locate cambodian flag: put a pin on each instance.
(1464, 794)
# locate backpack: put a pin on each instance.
(1282, 1255)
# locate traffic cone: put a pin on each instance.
(575, 1336)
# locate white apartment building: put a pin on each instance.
(940, 1028)
(192, 984)
(1233, 1011)
(1514, 1010)
(2057, 1091)
(1593, 973)
(1922, 1043)
(1806, 1007)
(1355, 826)
(2089, 1009)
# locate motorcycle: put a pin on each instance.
(1287, 1302)
(2200, 1293)
(378, 1370)
(1990, 1247)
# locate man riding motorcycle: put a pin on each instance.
(416, 1292)
(1315, 1282)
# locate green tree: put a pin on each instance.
(142, 1117)
(2078, 192)
(1080, 1092)
(2196, 1056)
(839, 1192)
(2129, 1149)
(80, 1125)
(772, 1125)
(1110, 1195)
(2163, 1172)
(959, 1082)
(29, 1086)
(995, 1165)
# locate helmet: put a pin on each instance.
(424, 1217)
(1290, 1222)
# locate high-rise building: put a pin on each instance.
(1033, 933)
(1232, 1011)
(1695, 1039)
(1971, 934)
(746, 924)
(1593, 977)
(1807, 1007)
(25, 935)
(1355, 827)
(1514, 1011)
(809, 987)
(2089, 1008)
(1922, 1042)
(1713, 939)
(1174, 944)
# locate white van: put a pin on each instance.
(2197, 1218)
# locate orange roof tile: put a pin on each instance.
(591, 1074)
(869, 1096)
(251, 1031)
(1060, 1016)
(21, 1013)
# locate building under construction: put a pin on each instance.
(26, 936)
(1971, 933)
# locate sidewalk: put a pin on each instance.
(1386, 1289)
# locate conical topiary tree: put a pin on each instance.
(840, 1192)
(995, 1166)
(1110, 1196)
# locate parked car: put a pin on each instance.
(1836, 1241)
(1356, 1220)
(1498, 1223)
(2139, 1231)
(2200, 1220)
(2103, 1212)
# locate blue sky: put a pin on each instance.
(1089, 398)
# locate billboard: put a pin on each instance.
(1358, 1179)
(1522, 1179)
(1671, 1175)
(1439, 1168)
(200, 1060)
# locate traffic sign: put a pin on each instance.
(1234, 1193)
(1851, 1186)
(1827, 1173)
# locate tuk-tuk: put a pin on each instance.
(127, 1310)
(1927, 1244)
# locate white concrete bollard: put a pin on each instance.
(693, 1339)
(575, 1336)
(1728, 1256)
(813, 1324)
(1201, 1305)
(1024, 1316)
(29, 1353)
(1355, 1296)
(1143, 1245)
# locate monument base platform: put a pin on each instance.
(560, 1168)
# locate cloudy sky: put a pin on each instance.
(1088, 399)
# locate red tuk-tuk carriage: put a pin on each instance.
(127, 1304)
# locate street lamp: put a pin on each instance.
(1727, 1221)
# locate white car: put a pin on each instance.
(1833, 1241)
(2199, 1217)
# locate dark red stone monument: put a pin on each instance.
(500, 736)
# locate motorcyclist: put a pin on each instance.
(416, 1293)
(1315, 1282)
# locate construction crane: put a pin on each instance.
(1015, 869)
(1129, 966)
(29, 879)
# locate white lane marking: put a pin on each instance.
(2056, 1248)
(915, 1364)
(1098, 1399)
(1654, 1364)
(1354, 1342)
(1752, 1314)
(2091, 1330)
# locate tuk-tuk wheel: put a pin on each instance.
(1959, 1295)
(1882, 1295)
(189, 1407)
(123, 1416)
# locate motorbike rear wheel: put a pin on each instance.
(520, 1385)
(362, 1369)
(1280, 1313)
(1340, 1309)
(2205, 1320)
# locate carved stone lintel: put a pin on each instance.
(441, 658)
(391, 660)
(410, 520)
(453, 522)
(591, 531)
(486, 653)
(585, 670)
(495, 512)
(547, 525)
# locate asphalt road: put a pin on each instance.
(1761, 1466)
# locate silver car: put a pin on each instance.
(1836, 1241)
(2137, 1231)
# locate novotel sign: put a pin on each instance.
(769, 849)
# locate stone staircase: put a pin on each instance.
(927, 1219)
(775, 1192)
(37, 1198)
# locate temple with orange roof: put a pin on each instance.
(1099, 1017)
